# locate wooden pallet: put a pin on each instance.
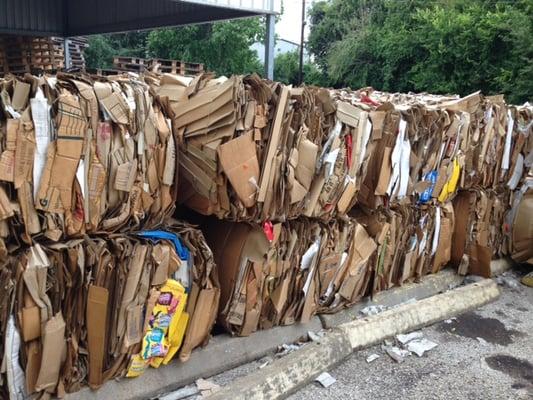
(20, 54)
(132, 64)
(128, 60)
(175, 66)
(102, 71)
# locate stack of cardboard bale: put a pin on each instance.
(314, 197)
(98, 281)
(327, 196)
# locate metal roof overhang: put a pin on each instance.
(85, 17)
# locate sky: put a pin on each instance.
(290, 24)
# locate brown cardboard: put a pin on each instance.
(461, 207)
(348, 114)
(135, 268)
(56, 184)
(25, 150)
(116, 107)
(239, 161)
(33, 365)
(31, 323)
(54, 347)
(134, 325)
(204, 103)
(125, 176)
(266, 169)
(305, 169)
(21, 95)
(522, 233)
(97, 309)
(346, 197)
(442, 256)
(384, 173)
(205, 308)
(6, 208)
(234, 247)
(480, 257)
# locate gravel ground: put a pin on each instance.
(497, 366)
(486, 354)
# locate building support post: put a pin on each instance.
(269, 45)
(302, 37)
(68, 58)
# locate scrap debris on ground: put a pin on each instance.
(494, 342)
(483, 354)
(325, 379)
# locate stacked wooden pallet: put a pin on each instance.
(22, 54)
(47, 54)
(77, 46)
(137, 64)
(3, 65)
(16, 54)
(132, 64)
(102, 71)
(175, 66)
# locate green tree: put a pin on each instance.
(102, 48)
(223, 47)
(99, 53)
(441, 46)
(286, 68)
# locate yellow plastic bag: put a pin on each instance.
(176, 334)
(450, 186)
(165, 331)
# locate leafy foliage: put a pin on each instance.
(102, 48)
(286, 66)
(441, 46)
(224, 47)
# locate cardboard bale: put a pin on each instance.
(81, 304)
(286, 273)
(80, 156)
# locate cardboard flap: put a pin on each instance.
(97, 304)
(305, 169)
(54, 350)
(239, 161)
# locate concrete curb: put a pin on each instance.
(499, 266)
(429, 285)
(286, 375)
(224, 352)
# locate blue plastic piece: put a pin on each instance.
(156, 236)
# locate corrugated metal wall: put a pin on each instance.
(36, 17)
(86, 17)
(94, 15)
(83, 17)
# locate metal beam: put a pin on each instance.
(107, 16)
(269, 45)
(68, 58)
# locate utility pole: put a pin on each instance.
(301, 66)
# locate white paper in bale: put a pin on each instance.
(436, 233)
(40, 111)
(400, 163)
(16, 381)
(508, 137)
(517, 173)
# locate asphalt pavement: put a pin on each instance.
(486, 354)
